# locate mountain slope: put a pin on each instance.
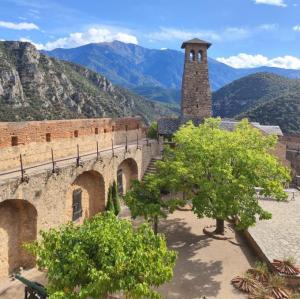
(153, 73)
(36, 87)
(263, 97)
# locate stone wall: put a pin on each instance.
(34, 147)
(196, 93)
(46, 200)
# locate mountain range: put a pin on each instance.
(34, 86)
(263, 97)
(153, 73)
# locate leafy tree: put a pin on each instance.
(145, 199)
(115, 198)
(219, 170)
(103, 256)
(152, 131)
(110, 204)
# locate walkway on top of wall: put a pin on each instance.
(67, 161)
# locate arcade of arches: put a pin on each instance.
(84, 198)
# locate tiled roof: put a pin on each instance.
(168, 126)
(196, 41)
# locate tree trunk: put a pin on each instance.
(219, 227)
(155, 225)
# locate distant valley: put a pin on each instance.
(153, 73)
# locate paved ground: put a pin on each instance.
(280, 237)
(204, 267)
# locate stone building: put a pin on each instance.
(196, 101)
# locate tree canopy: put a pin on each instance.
(103, 256)
(219, 170)
(146, 199)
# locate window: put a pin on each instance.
(96, 131)
(113, 128)
(199, 56)
(138, 126)
(76, 133)
(14, 141)
(48, 137)
(105, 131)
(77, 206)
(126, 127)
(192, 55)
(120, 181)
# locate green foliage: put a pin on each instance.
(115, 198)
(110, 203)
(219, 169)
(152, 131)
(145, 199)
(103, 256)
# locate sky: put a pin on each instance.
(244, 33)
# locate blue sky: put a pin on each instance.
(244, 33)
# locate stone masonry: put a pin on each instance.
(196, 94)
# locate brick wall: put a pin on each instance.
(36, 131)
(34, 148)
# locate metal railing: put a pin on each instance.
(78, 158)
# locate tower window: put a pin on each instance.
(199, 56)
(48, 137)
(96, 131)
(77, 204)
(192, 55)
(14, 141)
(76, 133)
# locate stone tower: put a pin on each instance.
(196, 94)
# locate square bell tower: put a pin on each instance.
(196, 94)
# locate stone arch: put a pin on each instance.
(200, 56)
(18, 225)
(192, 55)
(92, 187)
(126, 173)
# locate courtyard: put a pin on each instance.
(205, 266)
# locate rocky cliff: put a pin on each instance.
(34, 86)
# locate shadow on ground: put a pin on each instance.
(193, 278)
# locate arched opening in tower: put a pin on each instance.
(192, 55)
(18, 225)
(85, 197)
(126, 173)
(200, 56)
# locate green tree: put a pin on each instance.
(219, 170)
(152, 131)
(116, 198)
(110, 204)
(145, 199)
(103, 256)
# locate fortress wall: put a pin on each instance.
(292, 141)
(34, 147)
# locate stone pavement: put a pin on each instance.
(280, 237)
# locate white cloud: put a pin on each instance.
(228, 34)
(243, 60)
(19, 26)
(268, 27)
(92, 35)
(296, 28)
(271, 2)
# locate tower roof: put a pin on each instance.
(196, 41)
